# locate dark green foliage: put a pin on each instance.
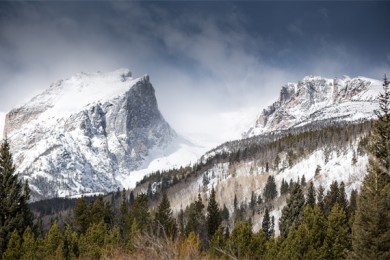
(81, 215)
(196, 218)
(337, 242)
(266, 225)
(320, 198)
(283, 187)
(14, 211)
(293, 211)
(164, 221)
(14, 245)
(311, 195)
(352, 203)
(225, 213)
(140, 213)
(214, 218)
(332, 196)
(303, 181)
(342, 199)
(29, 247)
(239, 243)
(371, 228)
(270, 191)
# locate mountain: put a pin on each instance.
(318, 100)
(317, 128)
(92, 133)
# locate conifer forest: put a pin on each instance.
(316, 222)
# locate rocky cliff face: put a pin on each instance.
(316, 99)
(84, 133)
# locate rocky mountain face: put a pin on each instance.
(87, 133)
(317, 99)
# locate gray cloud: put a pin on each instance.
(204, 60)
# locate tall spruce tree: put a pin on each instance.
(311, 195)
(371, 228)
(267, 225)
(270, 191)
(14, 211)
(214, 218)
(293, 211)
(164, 220)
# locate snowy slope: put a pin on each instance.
(317, 99)
(89, 134)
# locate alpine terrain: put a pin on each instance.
(90, 133)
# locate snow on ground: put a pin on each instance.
(181, 153)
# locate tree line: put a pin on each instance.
(313, 225)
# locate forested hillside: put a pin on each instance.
(237, 202)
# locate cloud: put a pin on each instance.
(204, 61)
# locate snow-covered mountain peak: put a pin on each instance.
(90, 133)
(318, 99)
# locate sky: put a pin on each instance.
(213, 64)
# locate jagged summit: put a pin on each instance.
(87, 133)
(318, 99)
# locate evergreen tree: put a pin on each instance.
(131, 198)
(71, 249)
(293, 211)
(239, 243)
(352, 203)
(266, 225)
(195, 217)
(371, 228)
(320, 198)
(336, 243)
(29, 246)
(81, 215)
(303, 181)
(225, 213)
(332, 196)
(14, 211)
(311, 195)
(342, 199)
(213, 215)
(93, 241)
(140, 212)
(53, 243)
(13, 248)
(217, 242)
(270, 191)
(164, 220)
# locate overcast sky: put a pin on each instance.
(205, 59)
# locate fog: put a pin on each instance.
(214, 65)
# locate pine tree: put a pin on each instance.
(336, 243)
(311, 195)
(81, 215)
(140, 212)
(332, 196)
(371, 228)
(164, 220)
(53, 243)
(14, 211)
(239, 243)
(293, 211)
(29, 246)
(13, 248)
(352, 203)
(320, 198)
(214, 218)
(342, 199)
(270, 191)
(266, 225)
